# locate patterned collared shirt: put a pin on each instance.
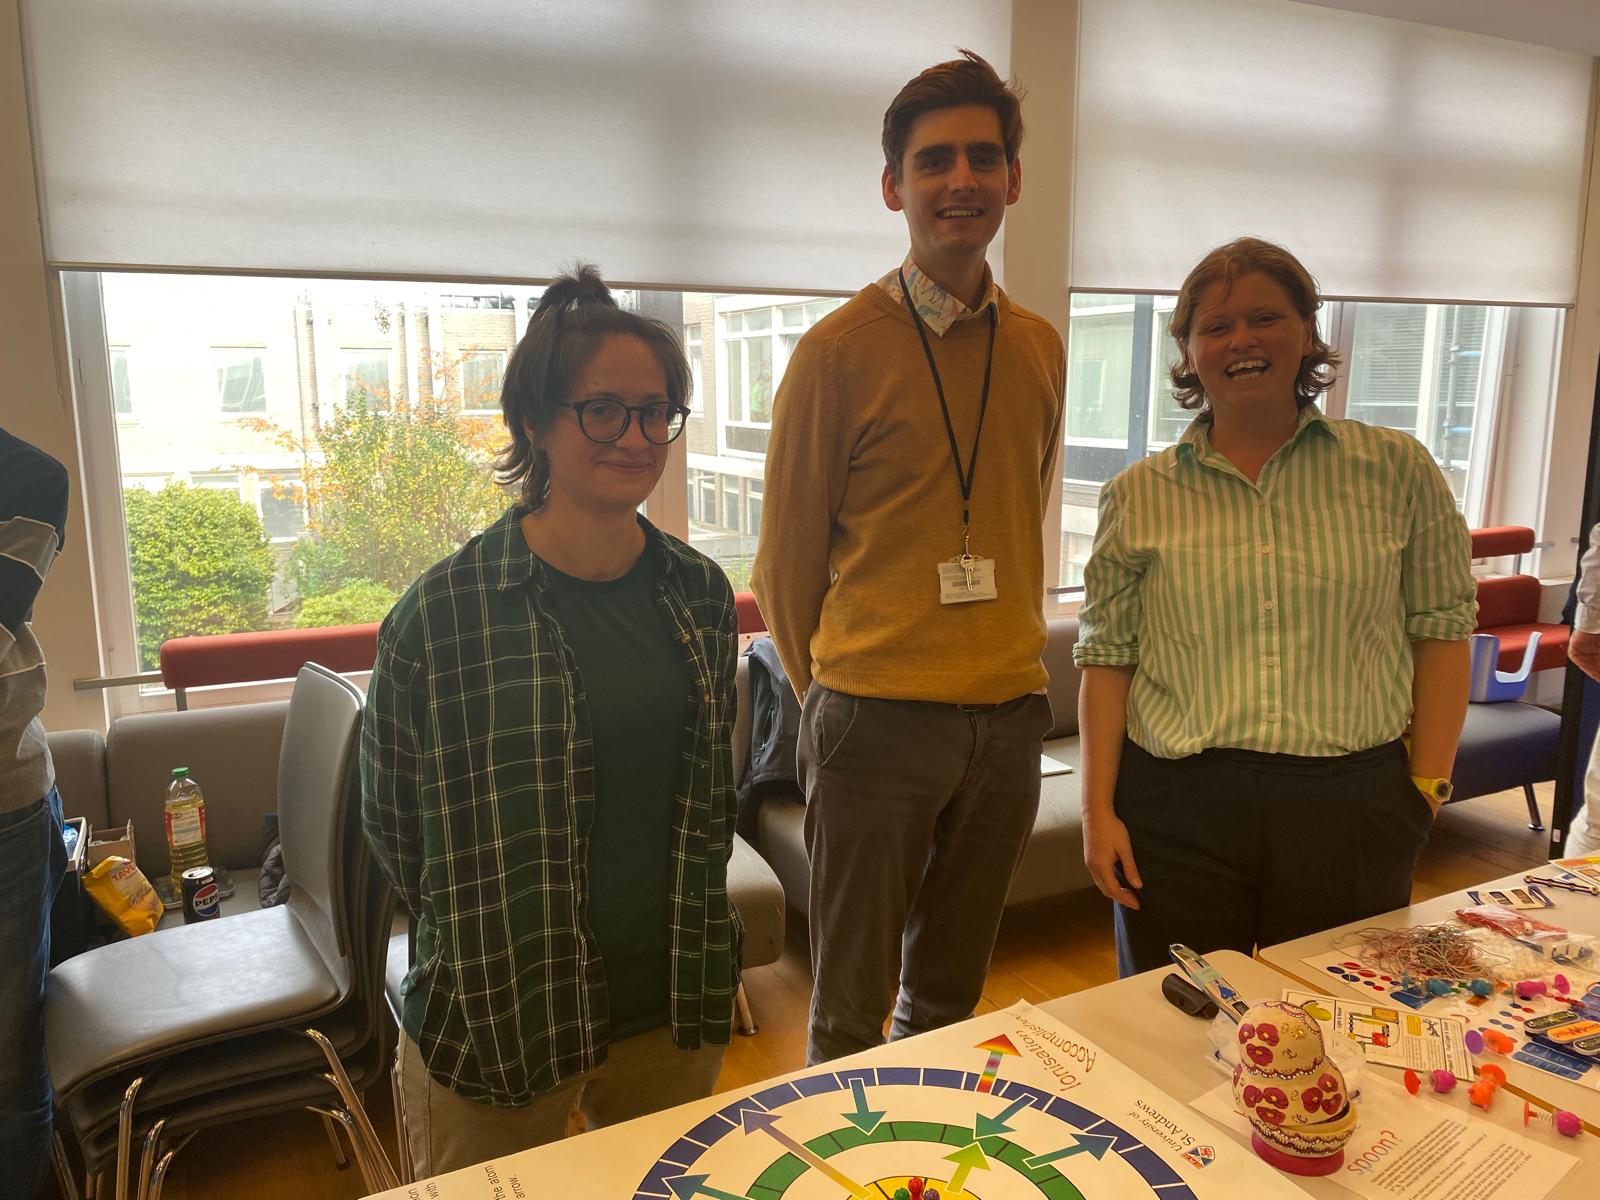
(1276, 615)
(477, 797)
(938, 308)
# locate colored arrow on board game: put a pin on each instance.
(996, 1047)
(965, 1160)
(988, 1126)
(685, 1187)
(766, 1123)
(1091, 1143)
(864, 1118)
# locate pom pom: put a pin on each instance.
(1568, 1124)
(1499, 1042)
(1439, 987)
(1481, 987)
(1444, 1081)
(1562, 984)
(1490, 1071)
(1527, 989)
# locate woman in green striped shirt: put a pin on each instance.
(1272, 604)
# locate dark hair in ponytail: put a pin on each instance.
(575, 314)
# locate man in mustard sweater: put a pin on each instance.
(900, 570)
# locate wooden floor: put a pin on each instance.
(1045, 950)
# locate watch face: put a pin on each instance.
(1441, 790)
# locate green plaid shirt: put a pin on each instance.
(477, 797)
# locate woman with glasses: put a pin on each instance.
(547, 767)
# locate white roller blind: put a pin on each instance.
(1397, 160)
(719, 143)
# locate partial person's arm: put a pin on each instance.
(391, 771)
(1108, 652)
(805, 477)
(1102, 726)
(33, 520)
(1441, 609)
(1583, 647)
(1441, 678)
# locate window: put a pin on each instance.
(121, 393)
(220, 481)
(481, 375)
(366, 373)
(1431, 370)
(756, 345)
(1419, 368)
(241, 387)
(283, 512)
(693, 348)
(732, 517)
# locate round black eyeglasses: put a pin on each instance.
(607, 420)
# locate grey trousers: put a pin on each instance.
(916, 816)
(641, 1074)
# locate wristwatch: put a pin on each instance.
(1436, 790)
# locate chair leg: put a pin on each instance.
(745, 1021)
(402, 1147)
(1534, 823)
(147, 1161)
(158, 1177)
(65, 1181)
(363, 1162)
(358, 1114)
(125, 1136)
(340, 1159)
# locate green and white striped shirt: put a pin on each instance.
(1277, 615)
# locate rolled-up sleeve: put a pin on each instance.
(1109, 621)
(391, 770)
(1587, 617)
(1436, 583)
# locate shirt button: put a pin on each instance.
(1270, 605)
(1272, 718)
(708, 697)
(1272, 662)
(684, 638)
(1266, 549)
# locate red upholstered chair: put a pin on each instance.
(1508, 605)
(750, 618)
(276, 654)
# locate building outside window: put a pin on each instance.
(1414, 367)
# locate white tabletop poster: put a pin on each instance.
(1009, 1106)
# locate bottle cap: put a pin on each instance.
(180, 772)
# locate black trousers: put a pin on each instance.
(1239, 849)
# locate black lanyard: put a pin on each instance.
(964, 477)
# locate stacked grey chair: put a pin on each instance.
(157, 1038)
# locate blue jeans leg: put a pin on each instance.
(33, 859)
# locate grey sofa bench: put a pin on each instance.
(233, 753)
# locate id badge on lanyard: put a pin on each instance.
(966, 578)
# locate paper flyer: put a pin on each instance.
(1015, 1102)
(1409, 1146)
(1392, 1037)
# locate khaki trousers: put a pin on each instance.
(642, 1074)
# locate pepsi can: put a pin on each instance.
(202, 900)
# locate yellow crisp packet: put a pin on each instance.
(124, 894)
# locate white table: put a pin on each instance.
(1129, 1019)
(1133, 1022)
(1573, 911)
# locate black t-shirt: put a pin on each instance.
(633, 679)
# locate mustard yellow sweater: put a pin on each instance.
(862, 503)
